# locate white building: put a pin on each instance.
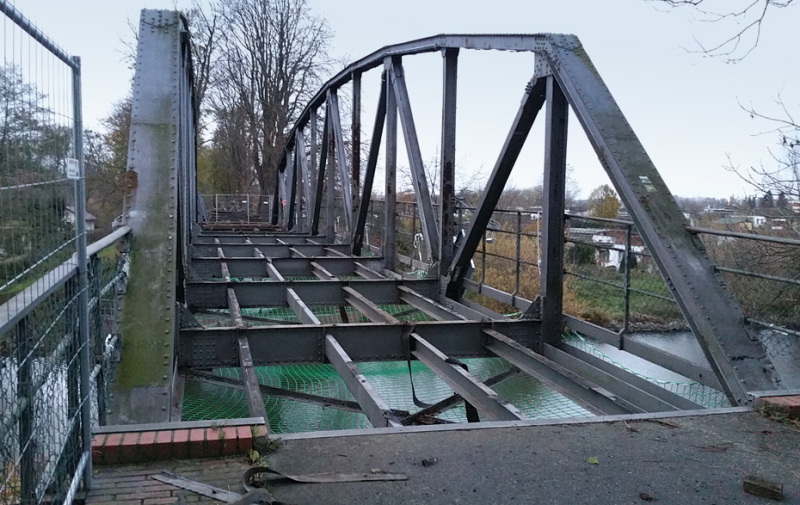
(69, 216)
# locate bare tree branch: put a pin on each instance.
(748, 22)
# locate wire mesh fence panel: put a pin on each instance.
(58, 313)
(764, 278)
(41, 226)
(698, 393)
(613, 281)
(238, 208)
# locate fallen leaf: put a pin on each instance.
(429, 461)
(376, 470)
(593, 460)
(646, 497)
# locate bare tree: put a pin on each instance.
(747, 20)
(203, 30)
(272, 57)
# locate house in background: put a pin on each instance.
(69, 216)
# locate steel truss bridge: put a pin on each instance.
(183, 266)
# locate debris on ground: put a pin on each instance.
(759, 486)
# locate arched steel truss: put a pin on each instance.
(563, 77)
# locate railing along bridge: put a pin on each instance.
(319, 272)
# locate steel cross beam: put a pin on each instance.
(373, 406)
(489, 403)
(323, 158)
(390, 198)
(447, 164)
(532, 102)
(573, 386)
(304, 343)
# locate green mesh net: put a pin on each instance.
(694, 391)
(327, 314)
(389, 379)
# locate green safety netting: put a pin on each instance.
(389, 379)
(698, 393)
(327, 314)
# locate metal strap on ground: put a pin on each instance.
(488, 403)
(455, 400)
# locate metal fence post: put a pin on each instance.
(83, 274)
(483, 258)
(26, 394)
(248, 208)
(95, 286)
(627, 297)
(519, 246)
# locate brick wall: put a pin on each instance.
(175, 442)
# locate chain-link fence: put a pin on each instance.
(612, 280)
(763, 274)
(56, 310)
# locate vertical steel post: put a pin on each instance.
(356, 146)
(447, 193)
(389, 243)
(519, 250)
(555, 171)
(483, 258)
(414, 230)
(369, 174)
(96, 269)
(248, 208)
(73, 369)
(627, 299)
(83, 274)
(291, 189)
(25, 392)
(330, 199)
(216, 207)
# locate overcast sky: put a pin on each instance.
(683, 106)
